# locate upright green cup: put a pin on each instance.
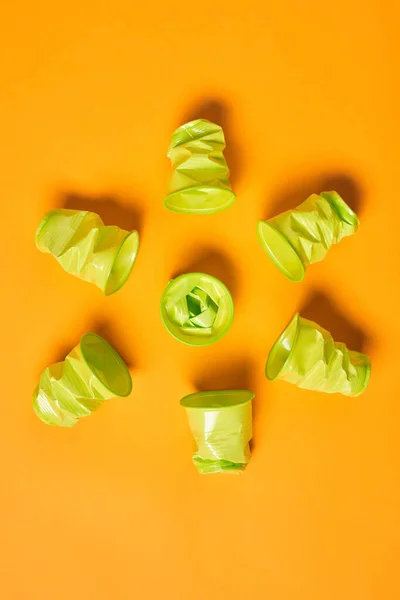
(200, 177)
(86, 248)
(306, 354)
(91, 373)
(221, 424)
(298, 238)
(197, 309)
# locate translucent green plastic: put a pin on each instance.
(221, 424)
(86, 248)
(200, 178)
(197, 309)
(306, 355)
(91, 373)
(298, 238)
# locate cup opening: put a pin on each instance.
(106, 364)
(215, 400)
(342, 209)
(123, 263)
(197, 309)
(282, 349)
(280, 251)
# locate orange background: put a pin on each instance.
(113, 508)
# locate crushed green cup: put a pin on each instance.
(86, 248)
(91, 373)
(306, 354)
(197, 309)
(298, 238)
(200, 178)
(221, 424)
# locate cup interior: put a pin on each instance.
(106, 364)
(282, 349)
(214, 400)
(197, 309)
(123, 263)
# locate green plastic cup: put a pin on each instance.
(221, 424)
(298, 238)
(197, 309)
(200, 178)
(306, 355)
(86, 248)
(91, 373)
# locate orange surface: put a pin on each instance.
(114, 509)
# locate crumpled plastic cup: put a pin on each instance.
(197, 309)
(91, 373)
(306, 354)
(221, 424)
(86, 248)
(200, 178)
(298, 238)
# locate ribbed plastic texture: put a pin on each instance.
(221, 424)
(91, 373)
(306, 355)
(200, 177)
(86, 248)
(298, 238)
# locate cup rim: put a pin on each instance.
(264, 223)
(130, 234)
(117, 357)
(198, 210)
(189, 401)
(295, 318)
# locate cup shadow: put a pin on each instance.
(295, 192)
(219, 111)
(109, 207)
(212, 262)
(104, 328)
(320, 308)
(236, 374)
(60, 352)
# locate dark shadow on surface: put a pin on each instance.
(104, 328)
(218, 111)
(110, 208)
(320, 308)
(212, 262)
(236, 374)
(61, 351)
(294, 192)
